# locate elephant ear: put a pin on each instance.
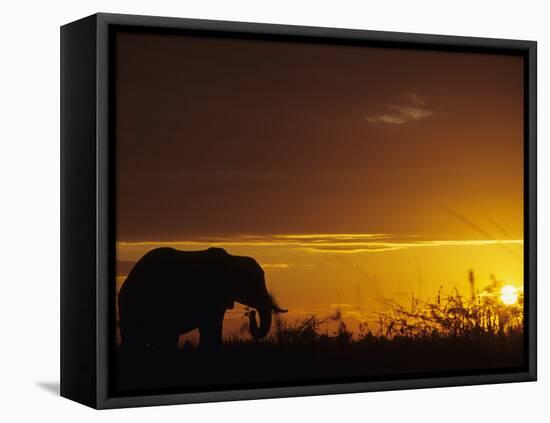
(226, 292)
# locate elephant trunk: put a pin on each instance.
(261, 331)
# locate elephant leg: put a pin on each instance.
(165, 343)
(211, 334)
(133, 341)
(134, 345)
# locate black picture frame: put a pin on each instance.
(87, 202)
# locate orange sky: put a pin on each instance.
(350, 173)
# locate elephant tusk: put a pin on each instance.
(279, 310)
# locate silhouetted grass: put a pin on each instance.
(447, 334)
(479, 315)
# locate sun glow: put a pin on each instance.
(509, 295)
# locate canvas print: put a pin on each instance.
(294, 213)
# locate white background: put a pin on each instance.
(29, 209)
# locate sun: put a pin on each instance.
(508, 295)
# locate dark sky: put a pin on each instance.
(226, 137)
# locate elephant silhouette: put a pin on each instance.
(170, 292)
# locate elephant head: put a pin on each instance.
(251, 291)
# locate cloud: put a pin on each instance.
(378, 247)
(318, 243)
(411, 110)
(275, 265)
(416, 99)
